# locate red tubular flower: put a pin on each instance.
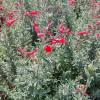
(98, 35)
(1, 8)
(98, 23)
(11, 22)
(31, 53)
(85, 94)
(97, 16)
(36, 27)
(62, 40)
(61, 28)
(58, 39)
(83, 33)
(41, 35)
(45, 29)
(33, 12)
(80, 89)
(71, 2)
(53, 41)
(11, 13)
(68, 31)
(49, 24)
(49, 33)
(91, 26)
(97, 4)
(22, 51)
(48, 48)
(77, 90)
(27, 13)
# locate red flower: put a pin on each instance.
(27, 13)
(22, 51)
(62, 40)
(49, 24)
(71, 2)
(11, 22)
(98, 35)
(97, 4)
(68, 31)
(98, 23)
(58, 39)
(48, 48)
(83, 33)
(97, 16)
(36, 27)
(91, 26)
(80, 89)
(31, 53)
(1, 8)
(62, 28)
(85, 94)
(41, 35)
(77, 90)
(11, 13)
(45, 29)
(49, 33)
(53, 41)
(33, 12)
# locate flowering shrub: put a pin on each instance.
(49, 50)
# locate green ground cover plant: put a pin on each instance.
(49, 50)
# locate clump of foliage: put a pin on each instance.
(49, 50)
